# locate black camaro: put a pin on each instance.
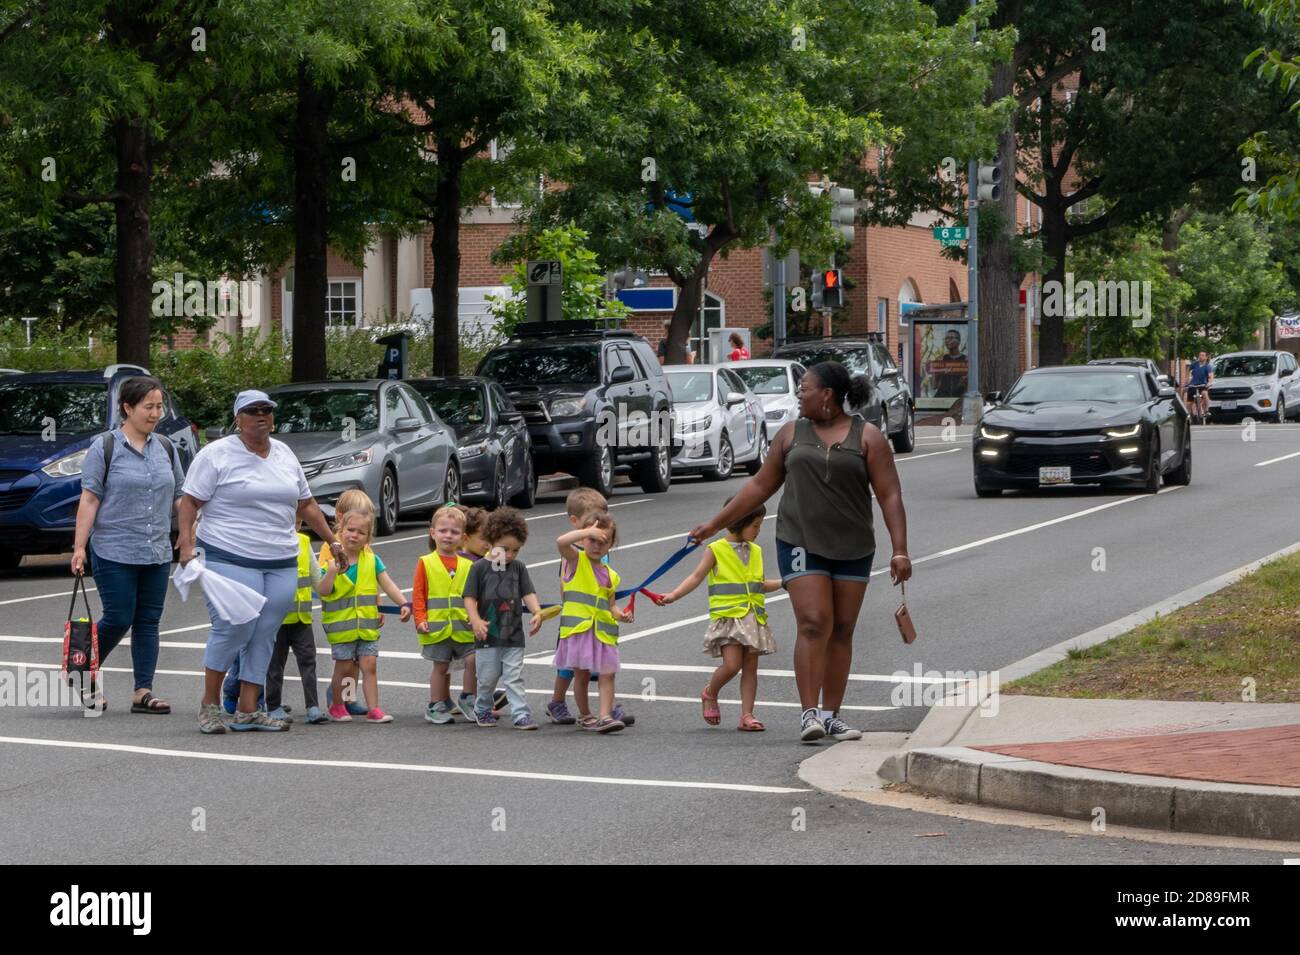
(1086, 424)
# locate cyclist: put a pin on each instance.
(1200, 375)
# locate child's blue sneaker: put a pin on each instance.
(526, 722)
(230, 704)
(315, 716)
(439, 713)
(280, 713)
(354, 708)
(486, 718)
(466, 706)
(559, 713)
(627, 719)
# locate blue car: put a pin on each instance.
(47, 421)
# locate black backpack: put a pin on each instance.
(108, 443)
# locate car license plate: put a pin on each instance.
(1053, 475)
(1228, 405)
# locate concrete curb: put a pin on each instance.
(930, 763)
(1151, 802)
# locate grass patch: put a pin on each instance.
(1205, 651)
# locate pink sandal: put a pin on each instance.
(750, 725)
(712, 715)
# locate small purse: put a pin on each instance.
(904, 619)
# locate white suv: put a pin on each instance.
(1263, 384)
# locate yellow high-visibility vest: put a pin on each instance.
(445, 601)
(586, 601)
(736, 589)
(351, 611)
(301, 612)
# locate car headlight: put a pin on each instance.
(67, 466)
(568, 407)
(775, 415)
(994, 434)
(1122, 432)
(1264, 387)
(472, 450)
(699, 424)
(355, 460)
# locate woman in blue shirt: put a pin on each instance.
(127, 516)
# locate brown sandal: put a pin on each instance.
(750, 725)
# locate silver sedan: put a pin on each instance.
(719, 421)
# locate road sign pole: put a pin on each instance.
(973, 403)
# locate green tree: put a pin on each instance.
(1280, 194)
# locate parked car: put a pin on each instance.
(1144, 363)
(775, 382)
(574, 382)
(377, 435)
(1084, 424)
(48, 420)
(492, 441)
(891, 407)
(1261, 384)
(720, 422)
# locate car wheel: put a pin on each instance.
(451, 485)
(10, 560)
(597, 471)
(1281, 410)
(726, 461)
(499, 485)
(905, 440)
(1152, 482)
(756, 465)
(389, 503)
(1182, 475)
(527, 496)
(656, 475)
(985, 490)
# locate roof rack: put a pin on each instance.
(574, 327)
(113, 371)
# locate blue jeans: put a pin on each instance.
(249, 645)
(133, 597)
(230, 685)
(507, 665)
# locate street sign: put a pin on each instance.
(946, 243)
(545, 272)
(951, 235)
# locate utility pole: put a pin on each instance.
(973, 404)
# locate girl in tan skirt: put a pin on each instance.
(738, 631)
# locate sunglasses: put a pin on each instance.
(257, 410)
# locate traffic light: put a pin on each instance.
(818, 290)
(628, 277)
(843, 211)
(832, 282)
(989, 179)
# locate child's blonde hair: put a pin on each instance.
(452, 512)
(354, 502)
(583, 501)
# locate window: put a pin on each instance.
(630, 359)
(309, 412)
(395, 406)
(415, 401)
(499, 152)
(733, 381)
(882, 357)
(341, 306)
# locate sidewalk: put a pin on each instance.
(1219, 768)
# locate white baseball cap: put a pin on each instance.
(252, 397)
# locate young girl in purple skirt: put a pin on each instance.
(590, 616)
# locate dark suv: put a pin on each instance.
(594, 400)
(890, 407)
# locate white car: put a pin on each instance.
(775, 381)
(1261, 384)
(719, 421)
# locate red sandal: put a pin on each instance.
(712, 715)
(750, 725)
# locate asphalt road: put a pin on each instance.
(995, 580)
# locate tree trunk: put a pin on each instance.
(1051, 333)
(446, 260)
(999, 283)
(311, 235)
(133, 263)
(689, 300)
(1173, 224)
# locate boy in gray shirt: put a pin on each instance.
(496, 592)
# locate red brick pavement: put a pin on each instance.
(1269, 756)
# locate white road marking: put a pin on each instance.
(408, 685)
(62, 593)
(401, 767)
(1293, 454)
(928, 454)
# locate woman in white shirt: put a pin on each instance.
(247, 492)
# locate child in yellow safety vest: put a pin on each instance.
(296, 634)
(350, 612)
(738, 631)
(441, 622)
(589, 616)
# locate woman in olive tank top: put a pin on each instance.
(829, 463)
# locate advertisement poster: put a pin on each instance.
(940, 363)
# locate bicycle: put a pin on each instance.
(1198, 397)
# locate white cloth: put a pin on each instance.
(251, 502)
(230, 599)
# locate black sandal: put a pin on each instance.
(146, 705)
